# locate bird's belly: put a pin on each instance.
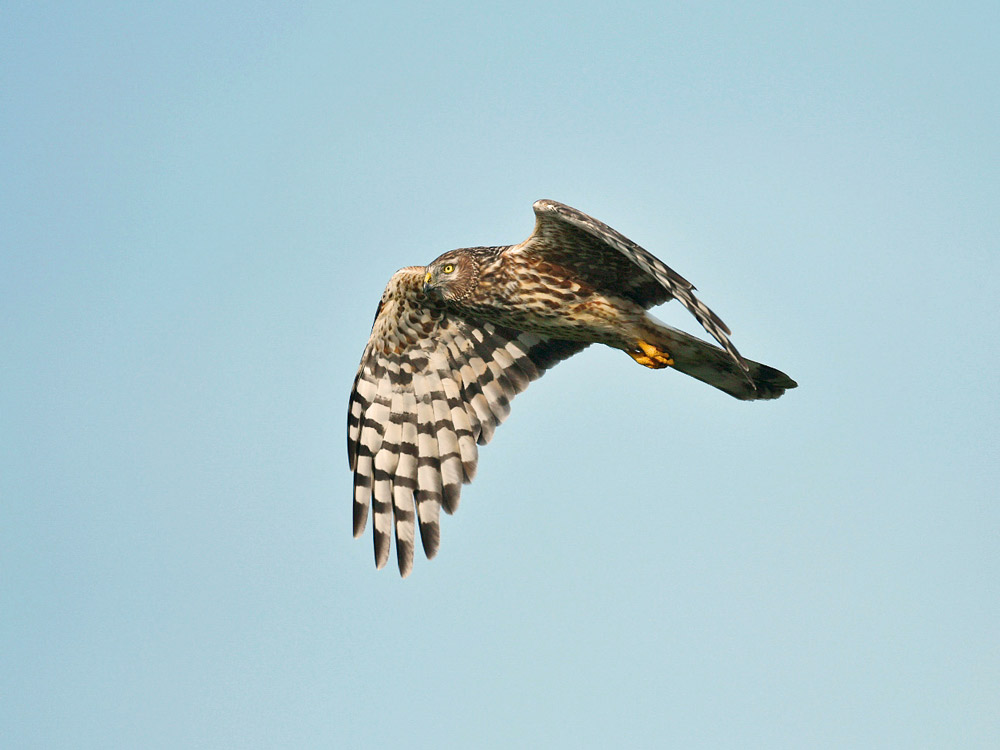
(566, 314)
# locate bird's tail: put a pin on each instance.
(712, 365)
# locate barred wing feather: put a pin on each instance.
(431, 388)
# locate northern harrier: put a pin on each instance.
(455, 341)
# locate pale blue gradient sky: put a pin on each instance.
(199, 207)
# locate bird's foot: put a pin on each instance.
(649, 356)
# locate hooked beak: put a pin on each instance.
(427, 283)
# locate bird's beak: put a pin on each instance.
(427, 282)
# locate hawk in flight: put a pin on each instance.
(455, 341)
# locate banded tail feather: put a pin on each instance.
(712, 365)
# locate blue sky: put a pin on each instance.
(199, 207)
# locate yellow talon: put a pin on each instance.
(651, 356)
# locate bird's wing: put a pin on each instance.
(430, 387)
(611, 262)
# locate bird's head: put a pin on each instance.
(452, 276)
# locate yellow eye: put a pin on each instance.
(448, 268)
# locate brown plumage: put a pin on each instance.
(455, 341)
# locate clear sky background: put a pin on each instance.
(200, 205)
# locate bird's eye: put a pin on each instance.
(448, 268)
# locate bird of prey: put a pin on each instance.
(455, 341)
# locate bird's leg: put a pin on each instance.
(649, 356)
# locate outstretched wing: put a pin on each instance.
(431, 386)
(611, 262)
